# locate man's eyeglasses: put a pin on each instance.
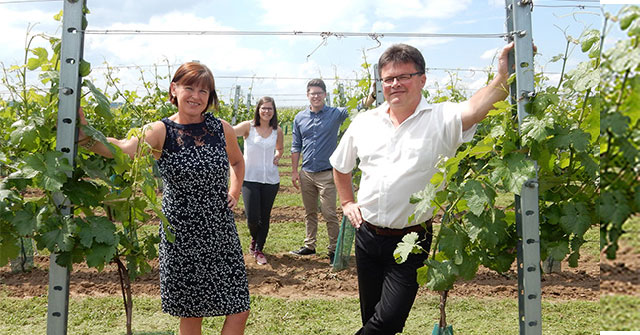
(403, 78)
(315, 94)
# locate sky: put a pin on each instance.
(280, 66)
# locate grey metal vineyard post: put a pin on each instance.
(378, 81)
(69, 101)
(527, 213)
(249, 114)
(235, 106)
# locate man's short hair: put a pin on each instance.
(317, 83)
(402, 54)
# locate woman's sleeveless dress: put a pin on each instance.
(202, 273)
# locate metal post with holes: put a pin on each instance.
(236, 104)
(527, 212)
(249, 113)
(69, 101)
(378, 81)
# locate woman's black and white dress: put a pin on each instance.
(202, 273)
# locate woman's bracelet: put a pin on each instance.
(87, 142)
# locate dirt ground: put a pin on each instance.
(622, 275)
(293, 277)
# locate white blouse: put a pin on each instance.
(258, 157)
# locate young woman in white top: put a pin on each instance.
(263, 147)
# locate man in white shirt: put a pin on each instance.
(399, 144)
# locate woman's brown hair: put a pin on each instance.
(194, 73)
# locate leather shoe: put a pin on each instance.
(304, 251)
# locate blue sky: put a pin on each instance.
(283, 59)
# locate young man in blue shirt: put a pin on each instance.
(315, 136)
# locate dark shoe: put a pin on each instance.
(252, 247)
(304, 251)
(332, 255)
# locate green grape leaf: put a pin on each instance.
(102, 229)
(566, 138)
(103, 108)
(624, 58)
(542, 101)
(57, 238)
(617, 123)
(85, 234)
(24, 133)
(8, 246)
(25, 221)
(627, 15)
(477, 196)
(453, 243)
(488, 229)
(423, 199)
(614, 207)
(85, 68)
(556, 58)
(575, 219)
(408, 245)
(99, 255)
(584, 77)
(591, 39)
(440, 276)
(58, 17)
(513, 170)
(535, 129)
(423, 277)
(53, 169)
(558, 250)
(468, 267)
(83, 192)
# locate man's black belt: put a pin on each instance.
(396, 232)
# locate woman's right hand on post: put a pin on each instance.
(83, 121)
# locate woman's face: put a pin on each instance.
(192, 99)
(266, 112)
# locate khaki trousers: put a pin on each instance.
(314, 186)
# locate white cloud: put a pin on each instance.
(381, 27)
(291, 15)
(489, 54)
(14, 32)
(218, 52)
(420, 8)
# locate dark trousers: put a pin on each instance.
(387, 289)
(258, 201)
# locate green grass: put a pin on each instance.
(632, 236)
(284, 237)
(104, 315)
(592, 245)
(619, 312)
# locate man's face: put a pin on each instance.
(316, 97)
(402, 85)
